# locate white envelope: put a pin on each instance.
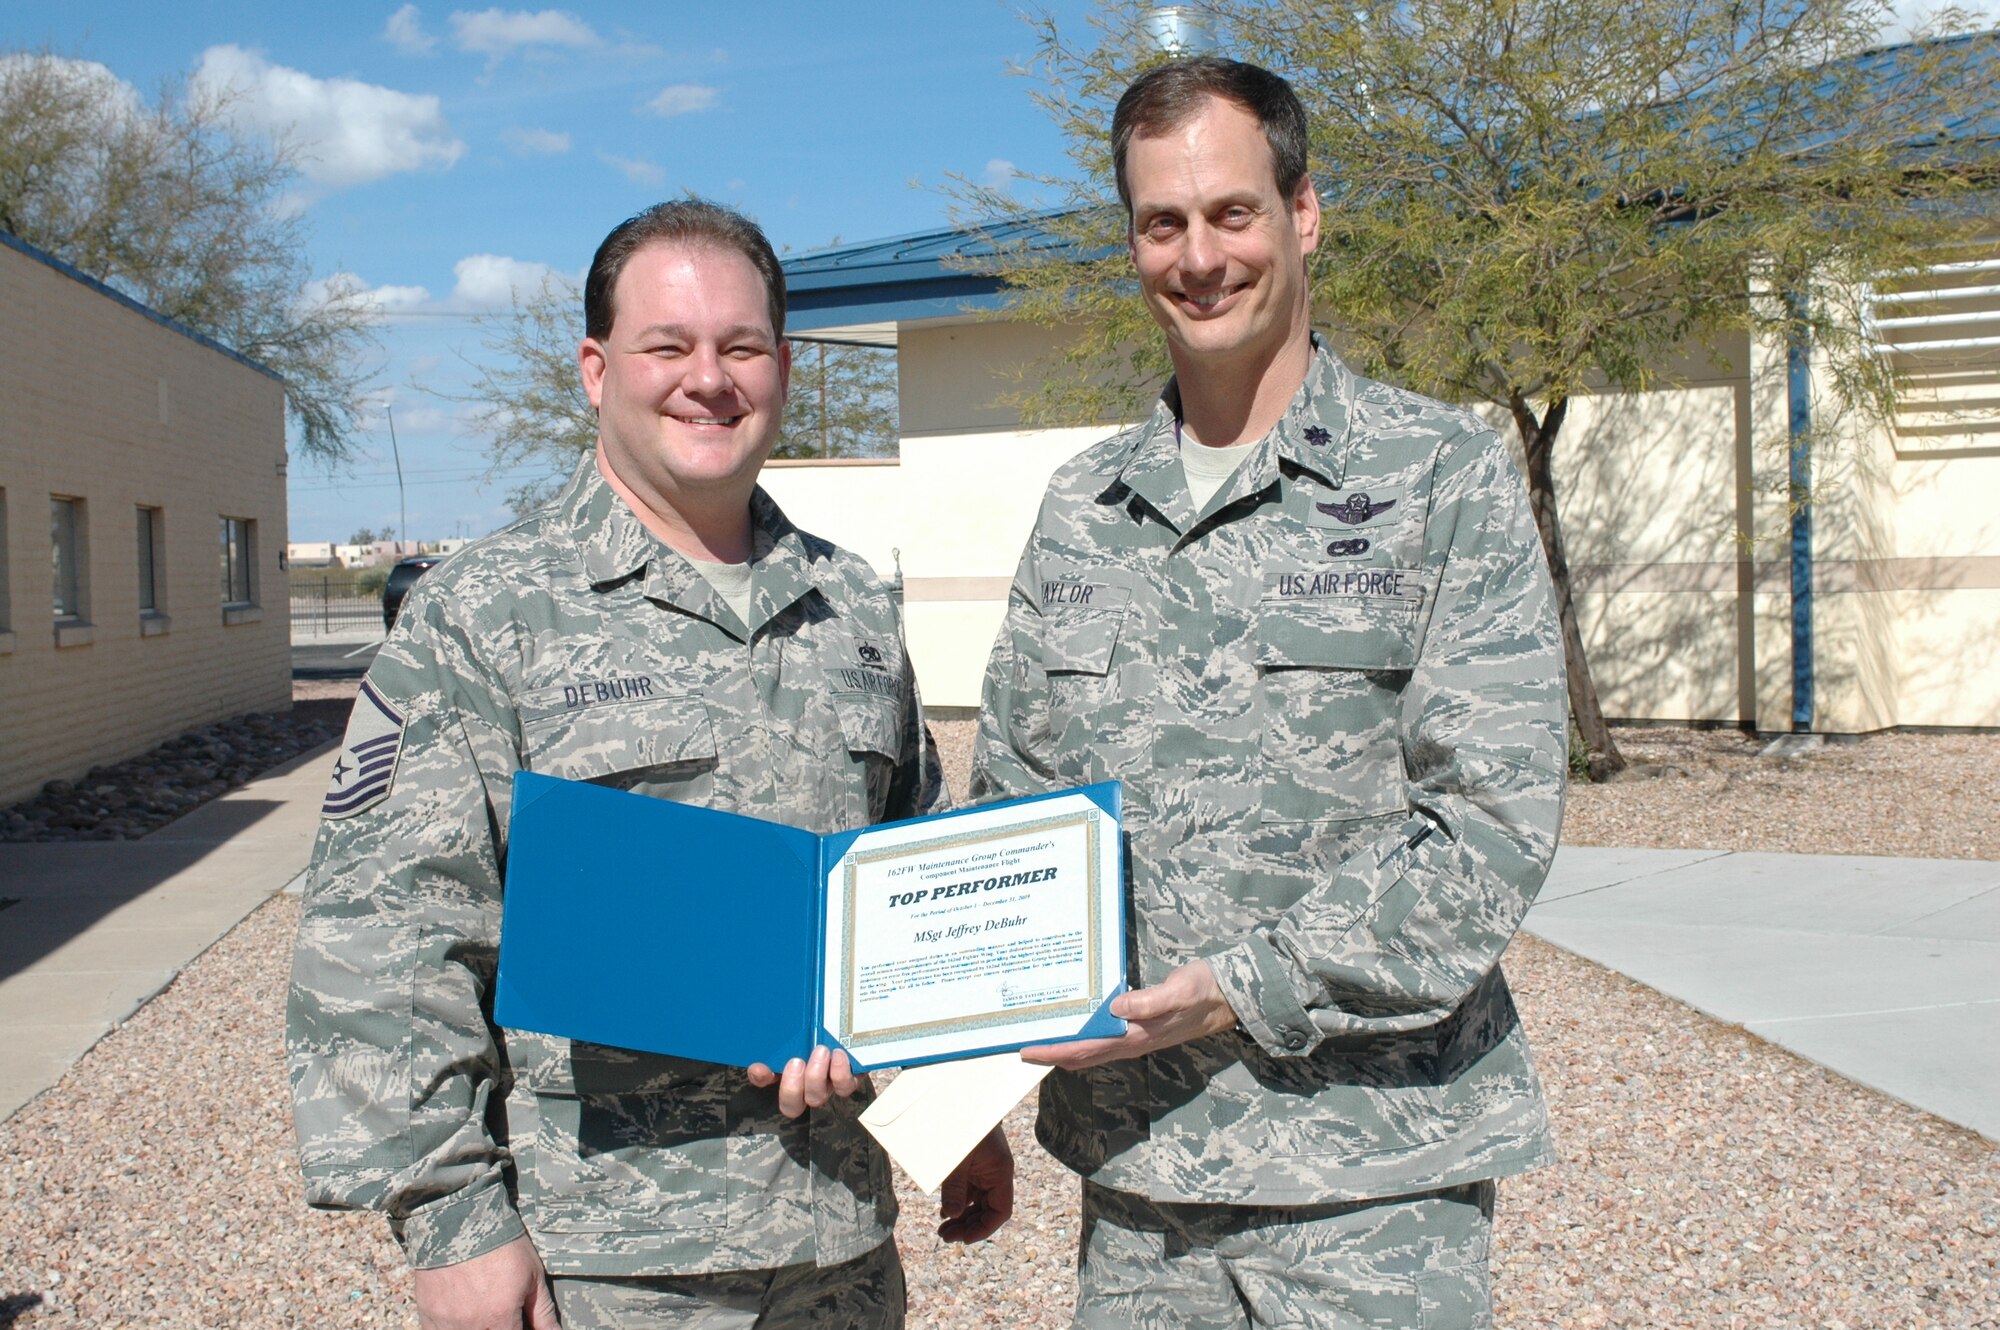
(931, 1116)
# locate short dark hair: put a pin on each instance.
(679, 222)
(1167, 97)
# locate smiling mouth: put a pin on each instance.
(708, 420)
(1209, 300)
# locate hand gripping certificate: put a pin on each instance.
(656, 926)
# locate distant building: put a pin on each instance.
(309, 554)
(375, 554)
(142, 487)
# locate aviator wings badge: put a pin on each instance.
(1356, 509)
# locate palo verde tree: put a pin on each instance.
(169, 204)
(1526, 200)
(528, 401)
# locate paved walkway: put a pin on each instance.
(1885, 970)
(101, 926)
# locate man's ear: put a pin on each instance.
(785, 367)
(590, 361)
(1305, 214)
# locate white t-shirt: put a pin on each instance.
(731, 582)
(1207, 468)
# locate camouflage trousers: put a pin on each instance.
(1404, 1263)
(865, 1293)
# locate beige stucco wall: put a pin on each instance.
(954, 513)
(1674, 510)
(101, 403)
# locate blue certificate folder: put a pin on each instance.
(667, 928)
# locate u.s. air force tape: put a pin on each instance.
(1379, 586)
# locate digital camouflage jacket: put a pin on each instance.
(1335, 698)
(575, 643)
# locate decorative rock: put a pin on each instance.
(125, 800)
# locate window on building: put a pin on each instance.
(67, 540)
(238, 556)
(842, 402)
(149, 560)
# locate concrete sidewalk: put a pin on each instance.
(1885, 970)
(102, 926)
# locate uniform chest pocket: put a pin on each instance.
(1080, 641)
(870, 724)
(1077, 651)
(649, 741)
(1331, 684)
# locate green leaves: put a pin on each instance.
(167, 203)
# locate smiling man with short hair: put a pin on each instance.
(1304, 618)
(662, 628)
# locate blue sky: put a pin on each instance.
(454, 153)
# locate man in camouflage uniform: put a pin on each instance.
(662, 628)
(1305, 619)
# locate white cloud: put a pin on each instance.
(346, 132)
(482, 284)
(112, 97)
(494, 281)
(1906, 17)
(682, 99)
(405, 32)
(497, 33)
(635, 169)
(349, 288)
(999, 173)
(535, 142)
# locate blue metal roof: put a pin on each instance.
(924, 275)
(918, 276)
(42, 256)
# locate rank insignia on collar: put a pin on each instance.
(1317, 436)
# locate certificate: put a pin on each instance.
(996, 927)
(666, 928)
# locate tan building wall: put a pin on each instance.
(1674, 512)
(102, 403)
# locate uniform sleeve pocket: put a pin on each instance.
(604, 742)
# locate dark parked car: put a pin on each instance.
(401, 578)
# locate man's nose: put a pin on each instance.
(1201, 251)
(706, 371)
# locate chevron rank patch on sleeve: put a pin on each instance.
(366, 766)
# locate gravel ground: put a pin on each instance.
(1707, 1179)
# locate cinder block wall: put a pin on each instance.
(103, 403)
